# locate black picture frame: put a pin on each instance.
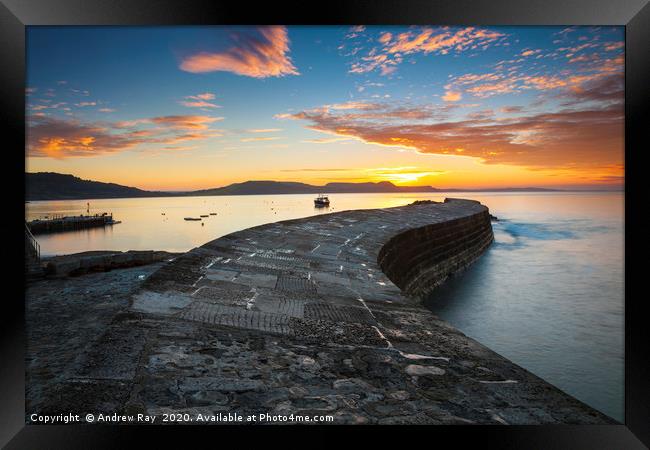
(15, 15)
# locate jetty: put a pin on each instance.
(318, 316)
(65, 223)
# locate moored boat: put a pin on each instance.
(321, 201)
(192, 218)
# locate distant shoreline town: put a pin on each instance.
(56, 186)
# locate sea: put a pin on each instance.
(548, 294)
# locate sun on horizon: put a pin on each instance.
(186, 108)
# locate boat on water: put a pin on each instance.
(321, 201)
(192, 218)
(204, 215)
(213, 214)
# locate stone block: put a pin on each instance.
(63, 268)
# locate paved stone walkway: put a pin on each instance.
(298, 317)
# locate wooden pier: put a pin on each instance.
(67, 223)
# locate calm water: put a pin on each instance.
(548, 294)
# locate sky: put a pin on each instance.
(183, 108)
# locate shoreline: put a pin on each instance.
(298, 316)
(440, 192)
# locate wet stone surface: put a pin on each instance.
(294, 317)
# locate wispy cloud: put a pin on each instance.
(611, 46)
(204, 96)
(264, 130)
(47, 104)
(594, 136)
(452, 96)
(515, 76)
(362, 111)
(530, 52)
(355, 105)
(199, 101)
(61, 138)
(83, 92)
(257, 139)
(183, 122)
(392, 48)
(198, 104)
(260, 55)
(329, 140)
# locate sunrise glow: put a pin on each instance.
(450, 107)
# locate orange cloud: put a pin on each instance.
(204, 96)
(199, 104)
(451, 96)
(254, 56)
(529, 52)
(264, 130)
(59, 138)
(326, 140)
(355, 105)
(428, 40)
(546, 82)
(199, 101)
(489, 89)
(513, 80)
(256, 139)
(441, 40)
(185, 122)
(385, 38)
(566, 139)
(614, 46)
(371, 111)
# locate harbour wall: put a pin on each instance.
(69, 223)
(313, 316)
(420, 259)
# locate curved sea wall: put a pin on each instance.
(313, 317)
(419, 259)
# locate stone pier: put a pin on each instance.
(313, 317)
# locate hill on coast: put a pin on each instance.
(291, 187)
(56, 186)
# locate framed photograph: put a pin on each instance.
(370, 216)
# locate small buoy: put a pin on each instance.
(202, 224)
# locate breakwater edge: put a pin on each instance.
(313, 316)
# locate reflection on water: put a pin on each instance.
(548, 294)
(158, 223)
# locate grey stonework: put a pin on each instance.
(315, 316)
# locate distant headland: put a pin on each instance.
(57, 186)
